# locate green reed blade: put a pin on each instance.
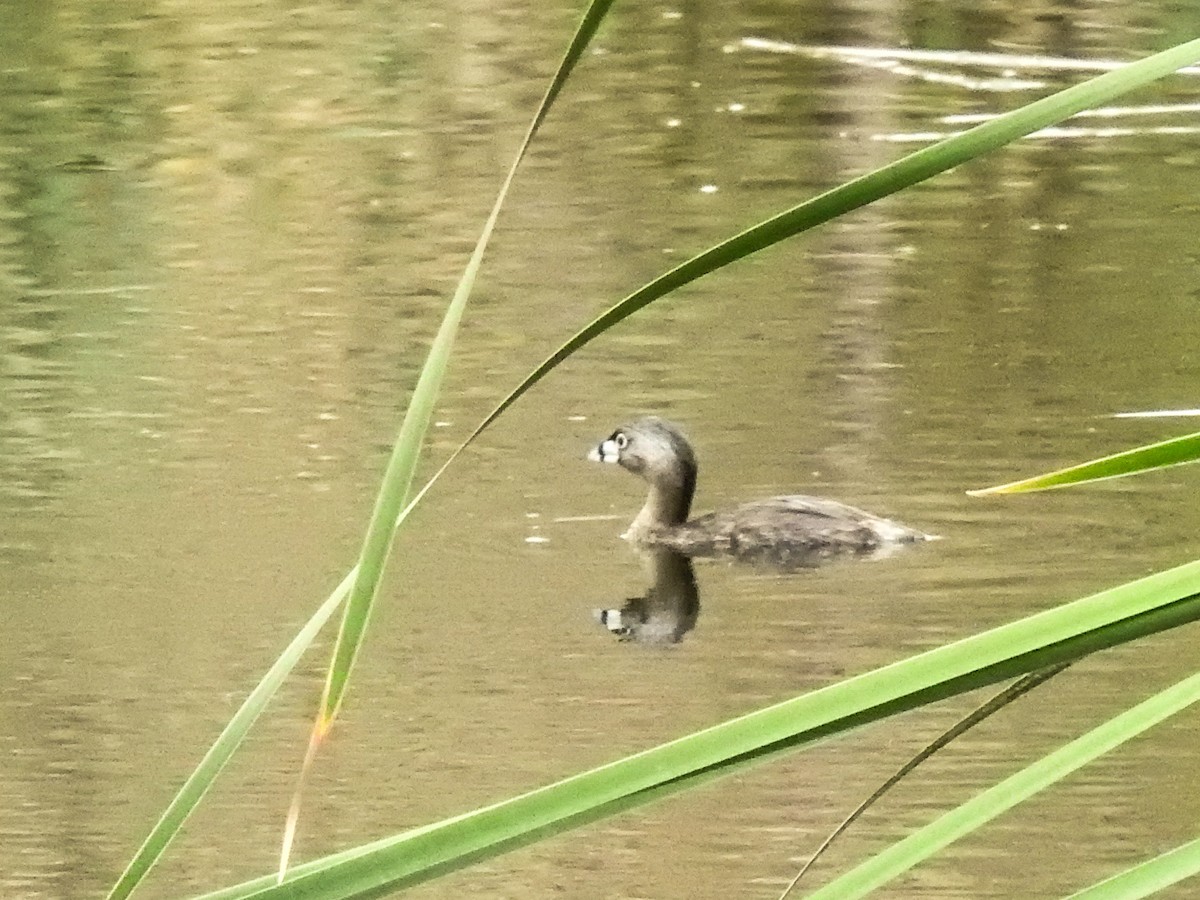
(1148, 877)
(396, 483)
(874, 185)
(1033, 642)
(981, 713)
(981, 809)
(1173, 452)
(902, 173)
(198, 783)
(401, 467)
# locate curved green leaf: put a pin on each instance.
(397, 479)
(1064, 632)
(362, 580)
(981, 809)
(874, 185)
(1173, 452)
(993, 705)
(1149, 877)
(896, 176)
(198, 783)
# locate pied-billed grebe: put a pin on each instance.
(793, 529)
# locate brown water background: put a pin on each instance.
(227, 232)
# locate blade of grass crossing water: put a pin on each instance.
(993, 705)
(907, 171)
(402, 465)
(1060, 633)
(901, 856)
(1161, 455)
(1149, 877)
(397, 480)
(198, 783)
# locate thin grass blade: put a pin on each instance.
(1064, 632)
(993, 705)
(980, 810)
(198, 783)
(402, 465)
(896, 176)
(1149, 877)
(1173, 452)
(397, 480)
(907, 171)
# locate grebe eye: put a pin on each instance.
(620, 440)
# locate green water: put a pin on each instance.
(226, 235)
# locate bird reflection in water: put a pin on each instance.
(669, 608)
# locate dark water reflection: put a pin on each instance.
(225, 238)
(670, 605)
(668, 609)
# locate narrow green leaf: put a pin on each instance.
(391, 498)
(873, 186)
(1035, 642)
(1173, 452)
(1149, 877)
(902, 173)
(223, 748)
(993, 705)
(979, 810)
(401, 467)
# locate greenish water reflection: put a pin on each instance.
(226, 235)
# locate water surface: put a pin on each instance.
(226, 238)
